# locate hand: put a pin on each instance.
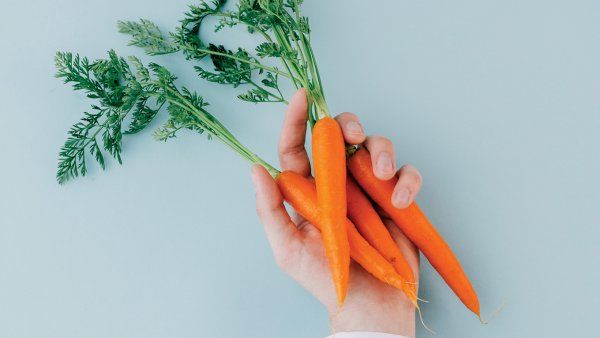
(370, 305)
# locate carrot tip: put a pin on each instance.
(496, 312)
(423, 322)
(414, 302)
(411, 295)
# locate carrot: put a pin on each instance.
(301, 194)
(369, 224)
(415, 225)
(329, 157)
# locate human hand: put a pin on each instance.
(297, 246)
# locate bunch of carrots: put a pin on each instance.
(342, 204)
(342, 199)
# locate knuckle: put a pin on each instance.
(418, 178)
(379, 141)
(291, 150)
(411, 173)
(302, 224)
(386, 142)
(346, 116)
(416, 174)
(373, 138)
(263, 210)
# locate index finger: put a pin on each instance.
(292, 153)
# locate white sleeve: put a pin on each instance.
(364, 335)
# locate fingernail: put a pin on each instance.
(384, 163)
(354, 128)
(401, 197)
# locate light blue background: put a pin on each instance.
(497, 103)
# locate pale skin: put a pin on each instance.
(370, 305)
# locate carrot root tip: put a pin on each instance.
(422, 300)
(496, 312)
(423, 321)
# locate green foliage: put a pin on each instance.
(141, 117)
(110, 84)
(278, 22)
(227, 70)
(146, 35)
(187, 37)
(123, 87)
(128, 96)
(120, 92)
(180, 117)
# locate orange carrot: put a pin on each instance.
(329, 156)
(369, 224)
(415, 225)
(301, 194)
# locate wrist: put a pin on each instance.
(394, 316)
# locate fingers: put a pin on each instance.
(351, 128)
(292, 154)
(384, 167)
(382, 156)
(281, 231)
(408, 186)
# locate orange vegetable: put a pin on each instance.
(301, 194)
(415, 225)
(369, 224)
(329, 157)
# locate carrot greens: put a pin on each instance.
(286, 38)
(122, 94)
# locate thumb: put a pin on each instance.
(281, 231)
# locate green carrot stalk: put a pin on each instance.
(122, 94)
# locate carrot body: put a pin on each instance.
(329, 157)
(415, 225)
(301, 194)
(369, 224)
